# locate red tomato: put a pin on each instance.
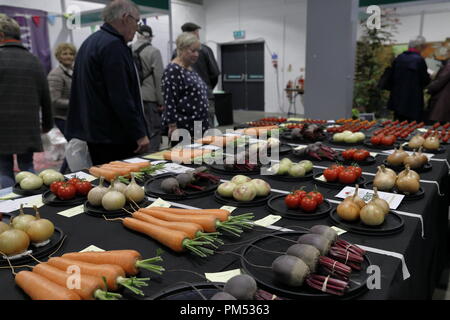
(73, 180)
(308, 204)
(330, 174)
(300, 193)
(67, 191)
(316, 195)
(55, 186)
(338, 167)
(361, 155)
(292, 201)
(375, 139)
(356, 169)
(388, 140)
(347, 176)
(348, 154)
(83, 187)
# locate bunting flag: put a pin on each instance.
(36, 20)
(51, 19)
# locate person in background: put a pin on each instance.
(206, 66)
(60, 82)
(24, 94)
(408, 81)
(106, 107)
(439, 89)
(152, 68)
(185, 93)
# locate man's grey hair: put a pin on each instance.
(116, 9)
(416, 42)
(9, 27)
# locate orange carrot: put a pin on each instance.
(220, 214)
(141, 165)
(119, 171)
(88, 287)
(113, 274)
(129, 260)
(38, 287)
(102, 172)
(176, 240)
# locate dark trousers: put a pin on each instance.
(105, 153)
(153, 119)
(61, 125)
(25, 162)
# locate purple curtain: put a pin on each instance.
(34, 31)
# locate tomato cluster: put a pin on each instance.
(307, 201)
(262, 123)
(438, 125)
(384, 140)
(312, 121)
(444, 134)
(342, 174)
(294, 126)
(398, 129)
(66, 190)
(353, 126)
(357, 155)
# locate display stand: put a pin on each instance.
(292, 94)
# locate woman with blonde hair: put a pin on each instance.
(60, 82)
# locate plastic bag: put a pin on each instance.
(77, 155)
(54, 145)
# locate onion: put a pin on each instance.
(31, 182)
(413, 160)
(416, 141)
(348, 210)
(240, 179)
(118, 186)
(407, 182)
(51, 177)
(422, 157)
(44, 172)
(3, 226)
(273, 143)
(308, 165)
(262, 188)
(384, 179)
(351, 138)
(383, 204)
(244, 192)
(226, 189)
(360, 136)
(22, 175)
(285, 165)
(432, 142)
(14, 242)
(297, 170)
(113, 200)
(96, 194)
(40, 230)
(22, 221)
(372, 215)
(356, 199)
(396, 158)
(134, 192)
(410, 172)
(338, 137)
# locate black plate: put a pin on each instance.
(258, 201)
(392, 224)
(186, 291)
(27, 193)
(369, 161)
(380, 147)
(276, 205)
(418, 195)
(38, 253)
(287, 135)
(440, 150)
(266, 281)
(51, 199)
(283, 177)
(344, 144)
(284, 148)
(337, 185)
(424, 168)
(99, 211)
(219, 168)
(153, 188)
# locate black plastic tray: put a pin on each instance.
(266, 281)
(38, 253)
(51, 199)
(418, 195)
(370, 160)
(337, 185)
(276, 205)
(186, 291)
(425, 168)
(258, 201)
(284, 177)
(440, 150)
(153, 188)
(99, 212)
(392, 224)
(27, 193)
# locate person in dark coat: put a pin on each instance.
(439, 89)
(409, 79)
(106, 107)
(24, 93)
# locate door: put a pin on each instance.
(243, 74)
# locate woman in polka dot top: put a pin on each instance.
(185, 93)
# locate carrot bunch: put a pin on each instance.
(86, 275)
(186, 229)
(115, 169)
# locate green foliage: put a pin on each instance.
(373, 55)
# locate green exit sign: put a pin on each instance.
(239, 34)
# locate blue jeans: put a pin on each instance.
(25, 162)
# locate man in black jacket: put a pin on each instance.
(206, 66)
(408, 80)
(106, 107)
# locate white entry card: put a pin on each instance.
(393, 199)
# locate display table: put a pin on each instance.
(421, 245)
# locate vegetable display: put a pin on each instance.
(342, 174)
(308, 132)
(189, 180)
(286, 167)
(317, 151)
(306, 201)
(406, 182)
(357, 155)
(244, 189)
(349, 137)
(116, 169)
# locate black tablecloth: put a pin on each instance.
(424, 256)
